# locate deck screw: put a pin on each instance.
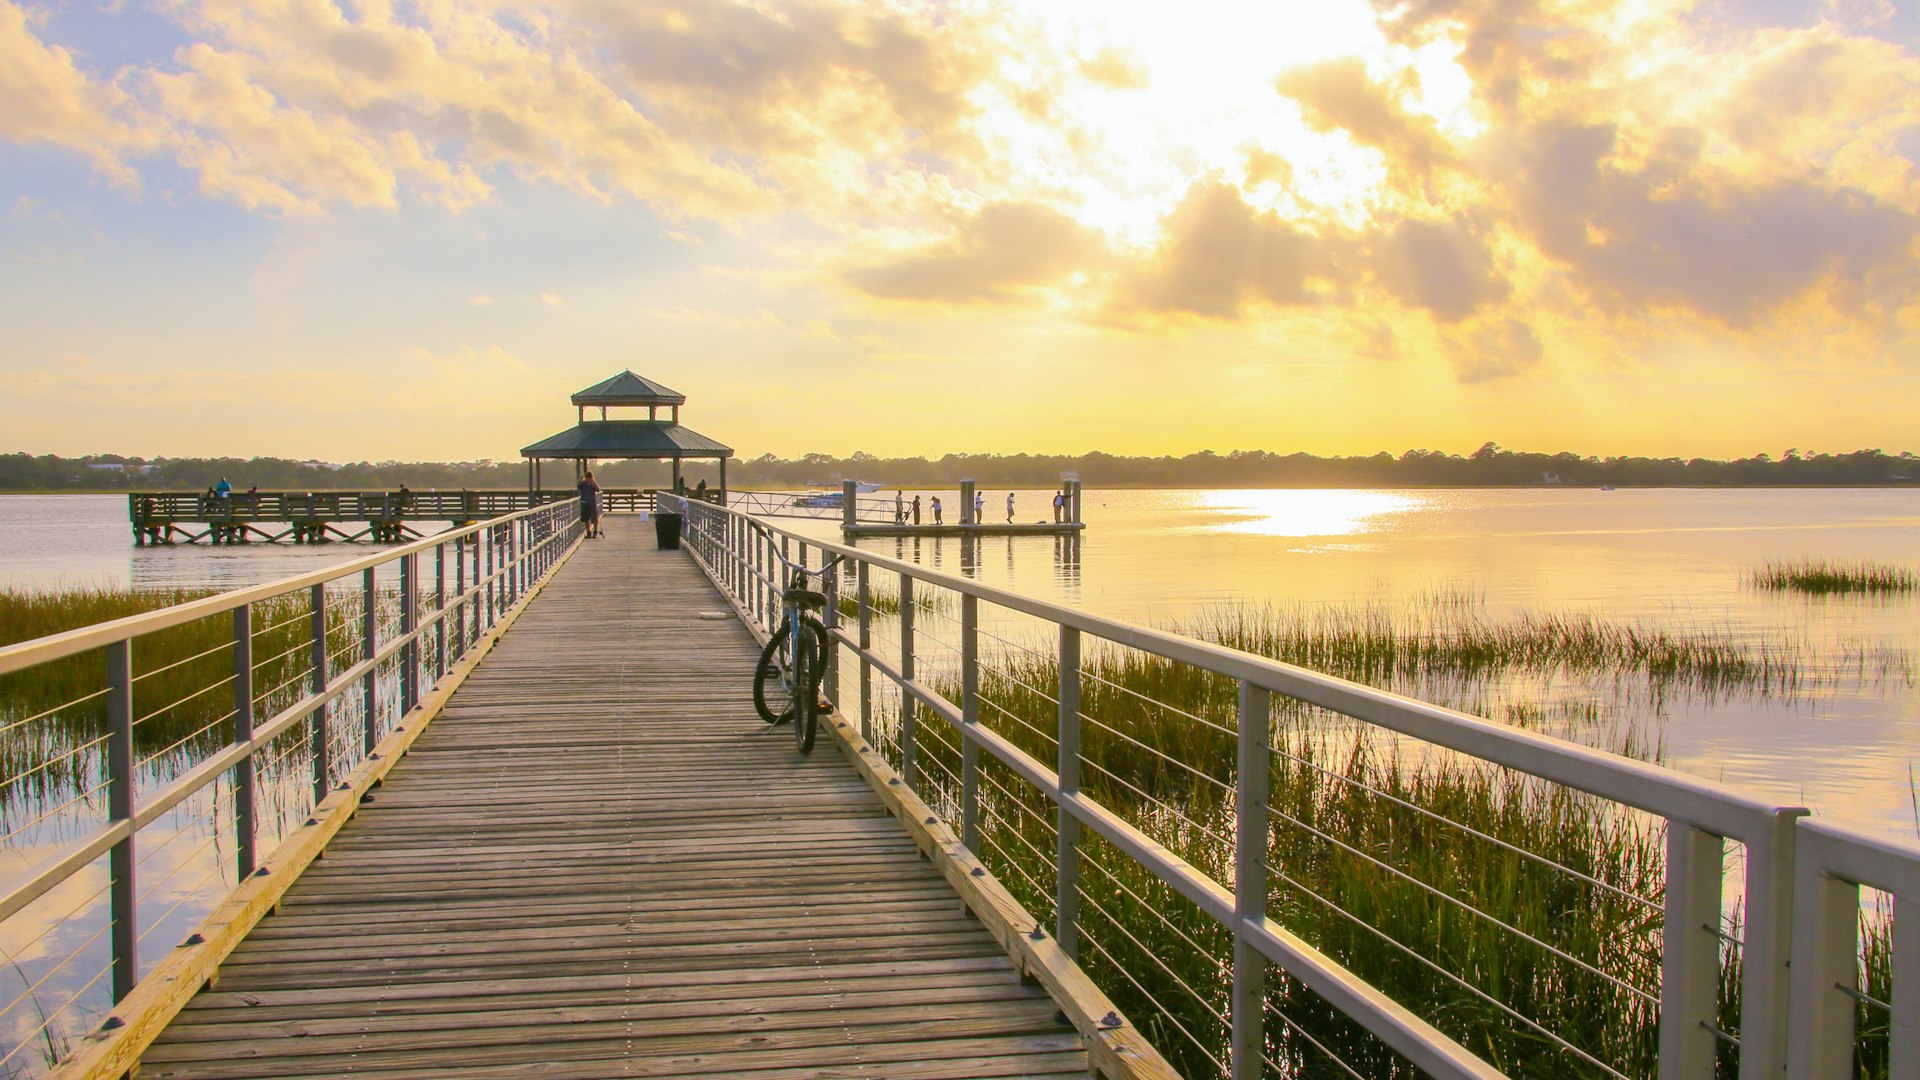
(1037, 934)
(1111, 1020)
(193, 939)
(112, 1022)
(979, 871)
(894, 781)
(931, 820)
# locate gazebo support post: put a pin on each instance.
(723, 481)
(676, 476)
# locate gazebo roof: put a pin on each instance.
(627, 388)
(613, 439)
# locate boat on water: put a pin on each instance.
(821, 496)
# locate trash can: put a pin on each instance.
(666, 530)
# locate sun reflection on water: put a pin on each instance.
(1300, 513)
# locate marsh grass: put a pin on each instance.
(886, 602)
(1449, 883)
(1380, 646)
(53, 716)
(1831, 577)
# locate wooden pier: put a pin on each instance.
(314, 517)
(597, 861)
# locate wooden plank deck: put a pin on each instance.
(598, 862)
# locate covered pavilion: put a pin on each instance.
(606, 439)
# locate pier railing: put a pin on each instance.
(186, 742)
(159, 516)
(1222, 876)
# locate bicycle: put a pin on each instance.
(791, 666)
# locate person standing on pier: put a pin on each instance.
(899, 507)
(979, 507)
(916, 509)
(1009, 507)
(936, 509)
(590, 506)
(223, 489)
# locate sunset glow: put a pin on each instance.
(368, 229)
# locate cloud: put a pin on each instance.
(480, 300)
(1217, 252)
(1498, 349)
(1440, 266)
(1110, 68)
(45, 97)
(1665, 230)
(1339, 95)
(1004, 252)
(552, 299)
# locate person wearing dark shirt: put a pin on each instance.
(590, 507)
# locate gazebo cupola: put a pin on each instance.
(659, 437)
(627, 388)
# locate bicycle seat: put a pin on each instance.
(805, 598)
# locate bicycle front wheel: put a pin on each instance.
(810, 657)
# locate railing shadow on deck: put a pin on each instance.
(1183, 910)
(268, 735)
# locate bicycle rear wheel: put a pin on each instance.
(806, 690)
(773, 678)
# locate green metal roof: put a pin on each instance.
(627, 388)
(627, 439)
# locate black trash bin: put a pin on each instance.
(666, 530)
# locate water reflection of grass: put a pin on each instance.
(1830, 577)
(1496, 904)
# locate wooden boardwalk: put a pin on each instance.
(597, 862)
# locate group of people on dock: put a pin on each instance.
(907, 512)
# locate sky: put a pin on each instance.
(379, 230)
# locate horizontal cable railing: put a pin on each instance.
(219, 725)
(1283, 872)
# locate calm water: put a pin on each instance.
(1845, 745)
(1672, 559)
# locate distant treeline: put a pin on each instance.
(1489, 466)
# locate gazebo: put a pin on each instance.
(605, 440)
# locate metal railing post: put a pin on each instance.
(969, 718)
(778, 583)
(409, 622)
(440, 611)
(1066, 857)
(831, 618)
(244, 826)
(369, 645)
(909, 709)
(460, 595)
(1767, 942)
(1252, 790)
(1690, 953)
(123, 901)
(1826, 976)
(866, 646)
(318, 685)
(488, 546)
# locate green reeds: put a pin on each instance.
(887, 602)
(53, 715)
(1466, 890)
(1378, 645)
(1830, 577)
